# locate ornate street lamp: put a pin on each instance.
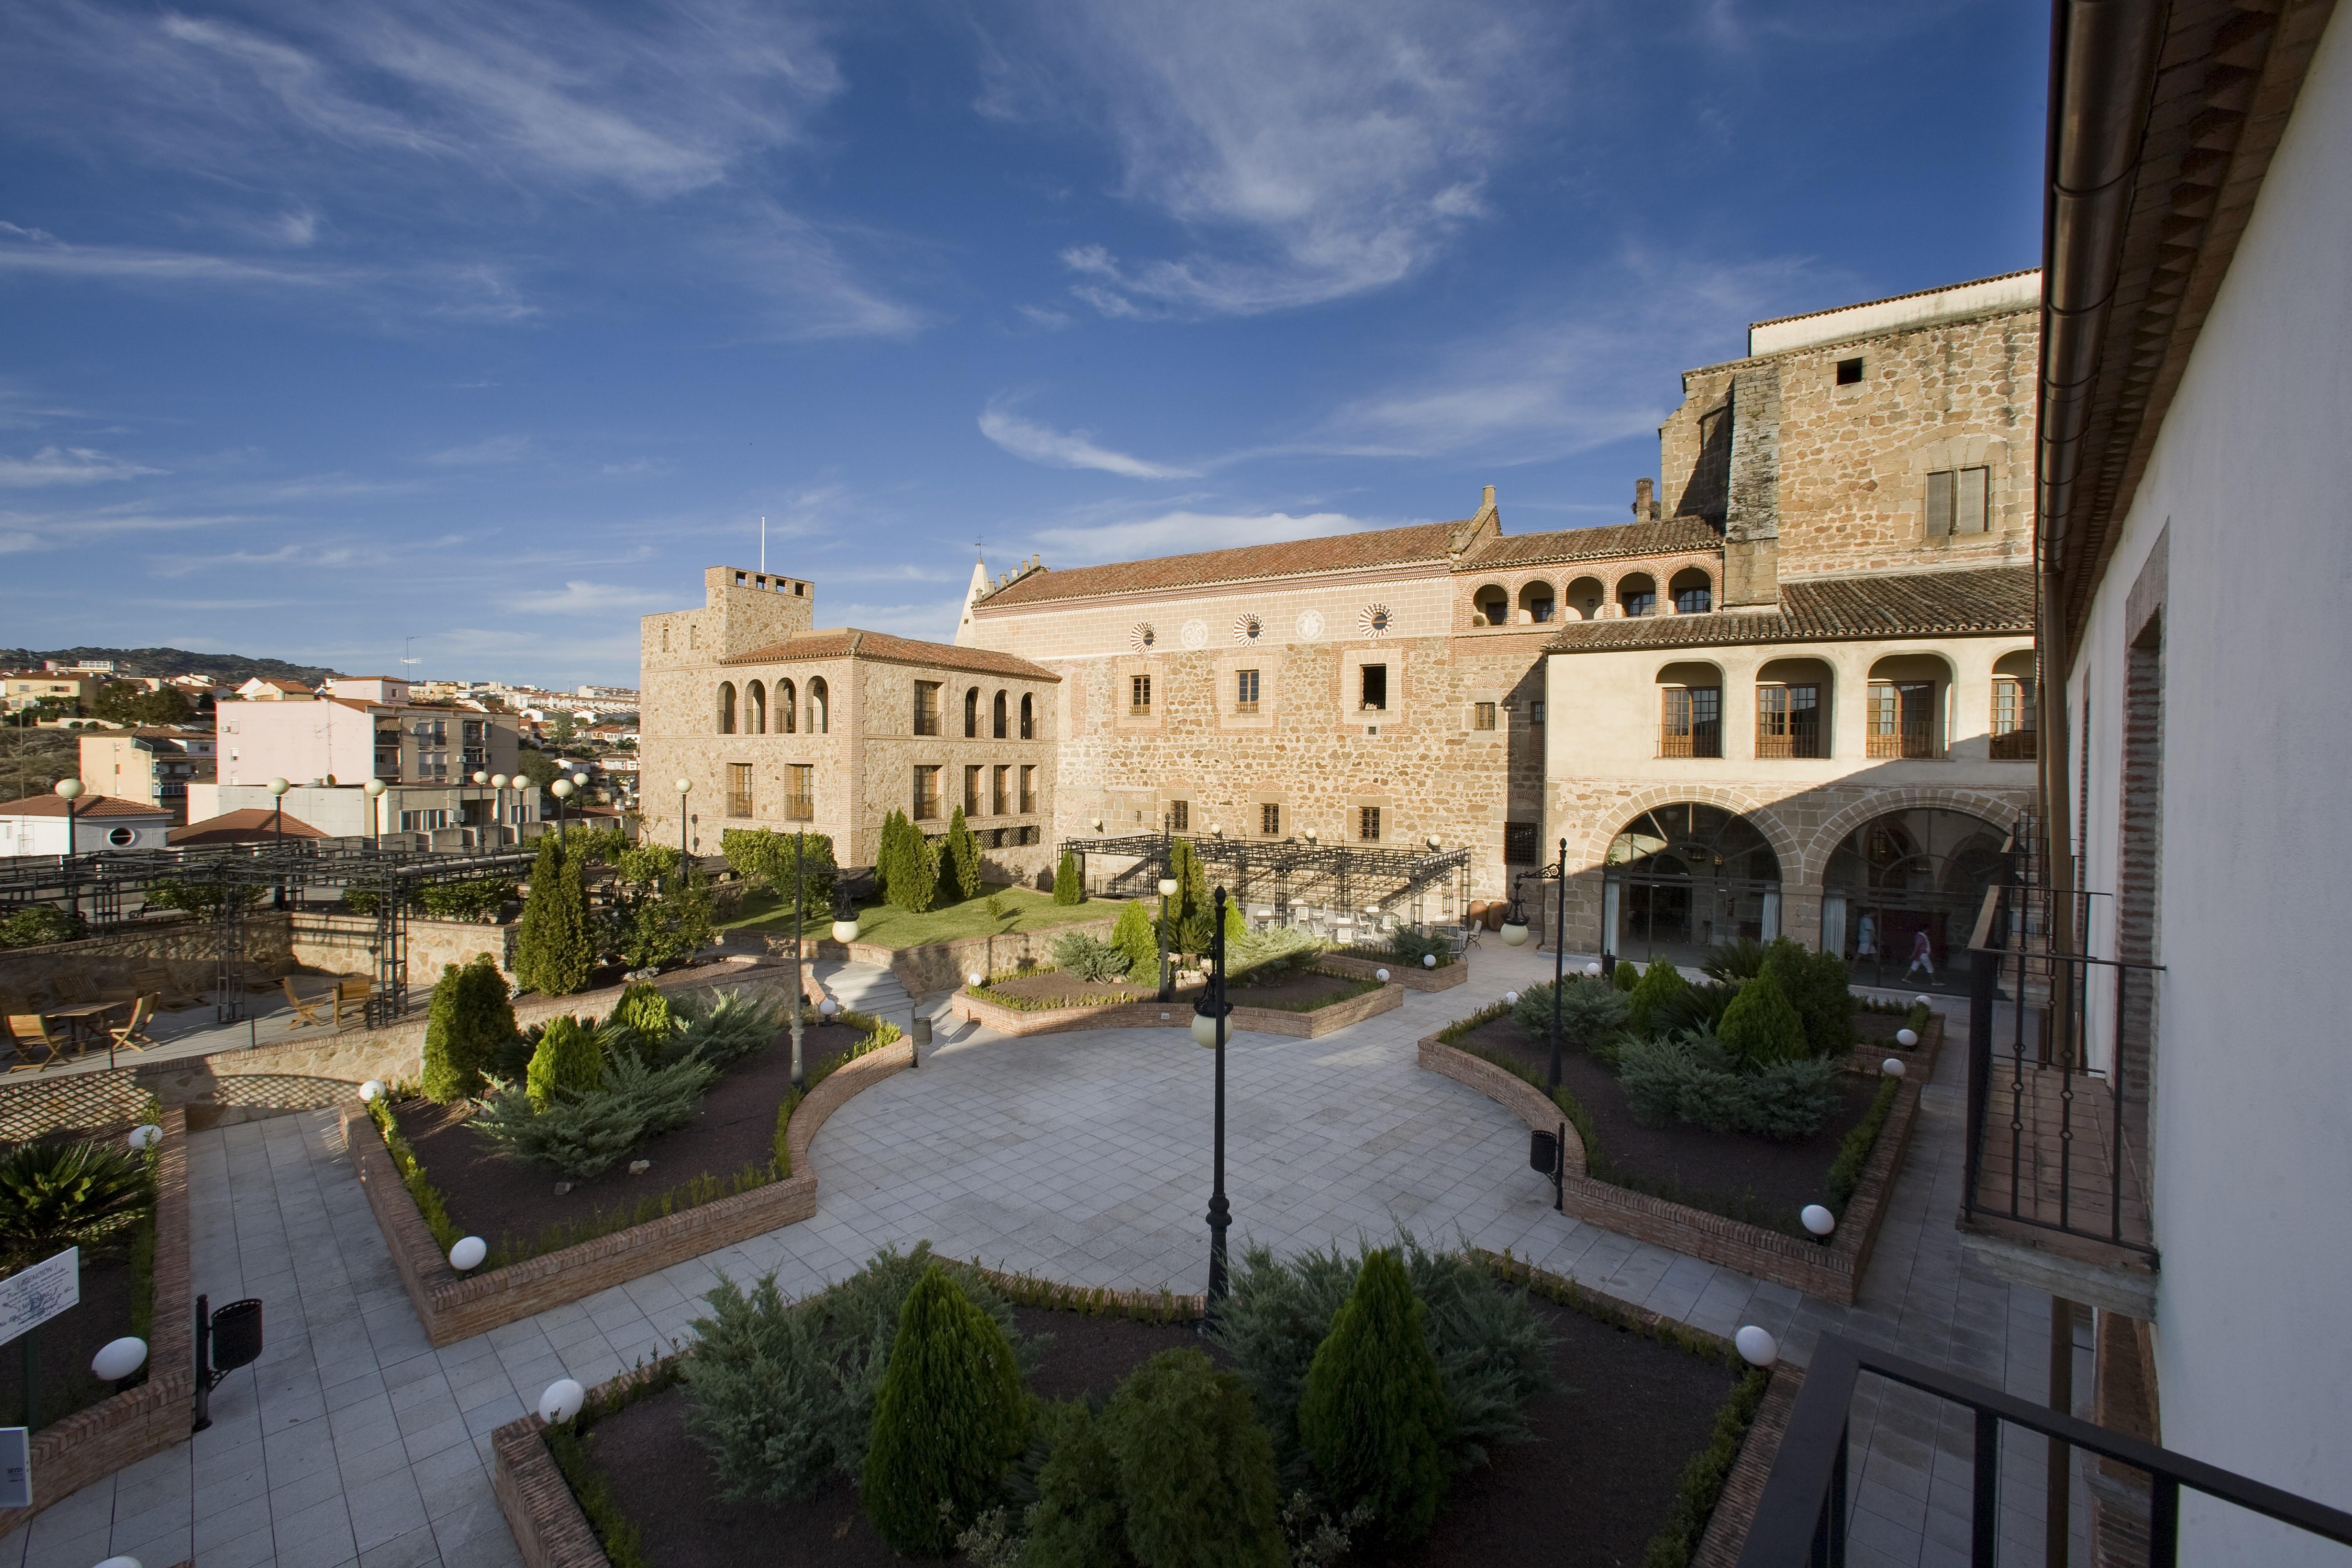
(499, 783)
(373, 789)
(800, 842)
(1209, 1029)
(561, 790)
(1558, 965)
(685, 788)
(1168, 887)
(278, 788)
(69, 791)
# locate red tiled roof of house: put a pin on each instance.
(1975, 602)
(244, 825)
(88, 805)
(1668, 536)
(1431, 542)
(850, 643)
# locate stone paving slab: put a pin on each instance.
(1083, 1157)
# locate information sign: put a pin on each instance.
(33, 1296)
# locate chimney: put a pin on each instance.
(1487, 502)
(1645, 509)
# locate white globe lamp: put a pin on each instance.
(561, 1401)
(1510, 998)
(1818, 1220)
(1204, 1029)
(1592, 971)
(1515, 932)
(69, 789)
(279, 787)
(1429, 961)
(1382, 975)
(1168, 885)
(846, 931)
(976, 979)
(1892, 1066)
(468, 1253)
(146, 1137)
(372, 1091)
(1907, 1038)
(118, 1359)
(1757, 1346)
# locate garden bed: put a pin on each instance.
(1633, 1447)
(1762, 1181)
(114, 1303)
(1303, 1007)
(1410, 975)
(516, 1208)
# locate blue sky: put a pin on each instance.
(326, 326)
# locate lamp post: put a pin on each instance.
(481, 778)
(498, 803)
(685, 788)
(373, 789)
(278, 788)
(69, 791)
(1558, 965)
(1209, 1029)
(561, 789)
(1168, 885)
(800, 842)
(1515, 924)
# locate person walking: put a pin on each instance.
(1923, 957)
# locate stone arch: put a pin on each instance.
(1634, 589)
(1692, 591)
(726, 707)
(971, 714)
(1028, 716)
(1756, 808)
(1821, 843)
(998, 725)
(1583, 599)
(820, 700)
(788, 709)
(1538, 603)
(1490, 605)
(755, 708)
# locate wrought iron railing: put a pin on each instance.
(1908, 741)
(1801, 1516)
(2013, 746)
(2058, 1072)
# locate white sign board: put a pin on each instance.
(15, 1468)
(29, 1299)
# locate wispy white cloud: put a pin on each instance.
(582, 597)
(1182, 531)
(67, 465)
(1065, 449)
(477, 454)
(1314, 151)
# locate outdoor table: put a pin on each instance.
(82, 1018)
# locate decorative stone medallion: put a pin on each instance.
(1196, 634)
(1311, 624)
(1143, 637)
(1248, 630)
(1375, 620)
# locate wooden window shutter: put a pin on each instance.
(1939, 504)
(1974, 485)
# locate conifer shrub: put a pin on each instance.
(578, 1135)
(1192, 918)
(1692, 1077)
(950, 1418)
(1592, 1012)
(1068, 887)
(567, 1059)
(449, 1076)
(1076, 1521)
(724, 1026)
(1372, 1415)
(1196, 1478)
(1660, 983)
(553, 950)
(468, 1025)
(1625, 975)
(1135, 935)
(644, 1012)
(1815, 984)
(1085, 957)
(963, 856)
(1762, 1025)
(1269, 957)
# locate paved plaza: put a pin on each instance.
(1083, 1157)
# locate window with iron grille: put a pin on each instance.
(800, 805)
(1521, 845)
(971, 791)
(998, 804)
(1368, 824)
(1269, 820)
(1245, 691)
(1028, 789)
(1482, 715)
(1179, 816)
(738, 789)
(1956, 502)
(1789, 722)
(927, 708)
(927, 794)
(1138, 696)
(1691, 724)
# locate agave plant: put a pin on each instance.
(56, 1195)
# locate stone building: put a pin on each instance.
(774, 723)
(1794, 693)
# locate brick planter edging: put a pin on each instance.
(1734, 1509)
(127, 1428)
(1832, 1270)
(1412, 976)
(546, 1520)
(1507, 1089)
(453, 1307)
(1314, 1026)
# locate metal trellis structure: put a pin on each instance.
(1288, 874)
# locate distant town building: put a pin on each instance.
(36, 824)
(427, 758)
(264, 689)
(153, 765)
(31, 689)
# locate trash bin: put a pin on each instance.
(921, 1033)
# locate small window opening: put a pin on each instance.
(1849, 371)
(1376, 687)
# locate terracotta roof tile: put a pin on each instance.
(1670, 536)
(1837, 609)
(1427, 542)
(850, 643)
(243, 826)
(88, 806)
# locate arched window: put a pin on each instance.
(1682, 878)
(726, 707)
(1792, 708)
(1693, 591)
(819, 707)
(1690, 711)
(755, 714)
(971, 714)
(1536, 603)
(1901, 895)
(1028, 716)
(1908, 697)
(2013, 718)
(998, 717)
(1585, 598)
(787, 705)
(1637, 594)
(1490, 606)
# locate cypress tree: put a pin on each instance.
(1134, 936)
(1192, 918)
(566, 1059)
(450, 1072)
(553, 952)
(1761, 1025)
(963, 856)
(1372, 1415)
(1662, 983)
(950, 1416)
(1196, 1476)
(1815, 984)
(1626, 976)
(1066, 887)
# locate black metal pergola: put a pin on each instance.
(1285, 871)
(234, 879)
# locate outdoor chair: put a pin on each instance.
(131, 1035)
(71, 986)
(37, 1047)
(171, 993)
(306, 1008)
(352, 992)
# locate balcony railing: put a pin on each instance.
(1802, 1515)
(2058, 1084)
(1138, 709)
(800, 808)
(2016, 746)
(1700, 741)
(1803, 743)
(1910, 740)
(738, 804)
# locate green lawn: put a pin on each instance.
(886, 925)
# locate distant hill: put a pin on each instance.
(233, 668)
